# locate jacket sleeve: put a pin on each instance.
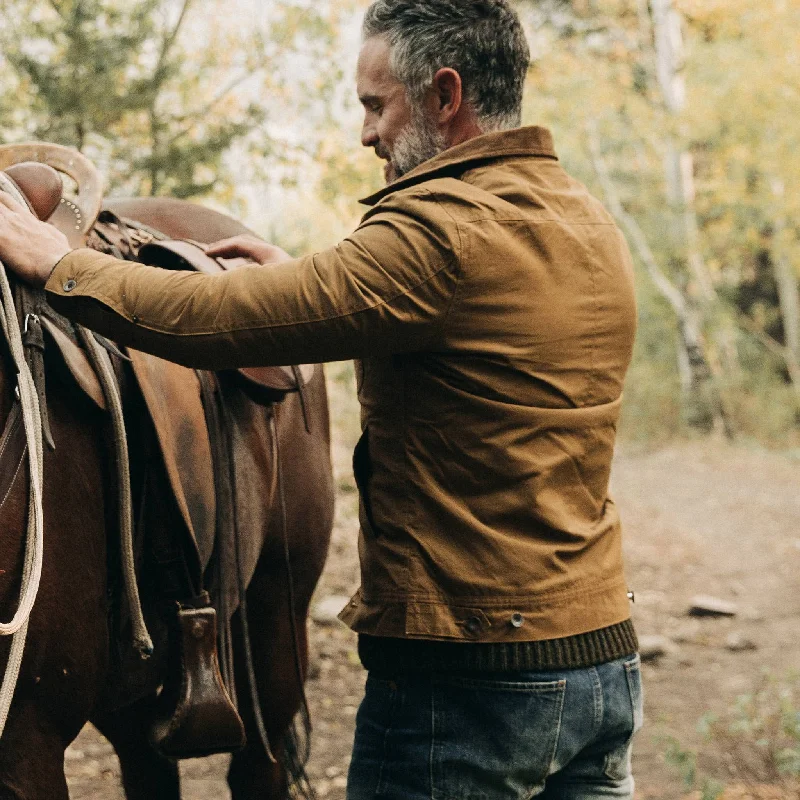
(385, 289)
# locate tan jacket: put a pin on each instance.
(490, 300)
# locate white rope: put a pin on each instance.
(34, 544)
(17, 628)
(105, 371)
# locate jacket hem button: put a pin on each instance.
(70, 285)
(472, 626)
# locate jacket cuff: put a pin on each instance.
(71, 273)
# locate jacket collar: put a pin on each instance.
(531, 141)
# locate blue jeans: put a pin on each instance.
(498, 736)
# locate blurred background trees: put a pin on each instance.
(679, 114)
(121, 82)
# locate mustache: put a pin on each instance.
(382, 152)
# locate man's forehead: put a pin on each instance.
(373, 75)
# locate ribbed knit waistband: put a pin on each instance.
(385, 655)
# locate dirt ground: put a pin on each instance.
(700, 519)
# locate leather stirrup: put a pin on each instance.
(204, 720)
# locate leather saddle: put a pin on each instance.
(42, 187)
(200, 719)
(39, 184)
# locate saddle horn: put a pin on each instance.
(73, 217)
(40, 184)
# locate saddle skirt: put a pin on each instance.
(172, 397)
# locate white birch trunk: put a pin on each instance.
(678, 162)
(679, 174)
(786, 279)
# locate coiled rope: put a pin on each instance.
(17, 628)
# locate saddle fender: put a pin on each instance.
(172, 395)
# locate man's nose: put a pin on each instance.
(369, 136)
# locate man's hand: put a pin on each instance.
(246, 246)
(27, 246)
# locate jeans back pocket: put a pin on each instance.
(493, 739)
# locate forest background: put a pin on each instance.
(680, 114)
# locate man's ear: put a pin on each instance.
(447, 93)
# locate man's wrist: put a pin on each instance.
(47, 273)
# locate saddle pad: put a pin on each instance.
(172, 395)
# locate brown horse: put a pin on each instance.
(71, 671)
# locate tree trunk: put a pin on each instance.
(678, 162)
(785, 278)
(701, 299)
(706, 406)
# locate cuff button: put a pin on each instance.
(517, 620)
(70, 285)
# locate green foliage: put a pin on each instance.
(685, 763)
(652, 412)
(682, 760)
(131, 85)
(76, 61)
(762, 732)
(760, 739)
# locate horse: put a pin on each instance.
(72, 671)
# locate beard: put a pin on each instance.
(416, 143)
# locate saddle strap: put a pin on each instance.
(29, 303)
(76, 362)
(228, 553)
(302, 391)
(224, 545)
(108, 379)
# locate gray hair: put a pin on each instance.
(482, 40)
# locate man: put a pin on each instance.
(489, 299)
